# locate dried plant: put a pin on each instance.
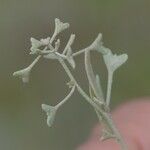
(49, 49)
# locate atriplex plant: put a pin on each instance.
(48, 49)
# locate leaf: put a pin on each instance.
(60, 26)
(113, 61)
(45, 41)
(103, 50)
(35, 44)
(23, 74)
(50, 112)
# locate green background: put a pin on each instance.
(125, 25)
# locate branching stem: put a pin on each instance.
(95, 98)
(81, 91)
(105, 116)
(80, 52)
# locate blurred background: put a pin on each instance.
(125, 25)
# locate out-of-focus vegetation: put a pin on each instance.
(125, 27)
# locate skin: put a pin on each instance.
(132, 120)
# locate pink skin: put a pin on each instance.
(133, 121)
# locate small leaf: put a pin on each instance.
(35, 44)
(103, 50)
(23, 74)
(45, 41)
(114, 61)
(60, 26)
(50, 112)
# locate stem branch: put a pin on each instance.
(109, 87)
(66, 98)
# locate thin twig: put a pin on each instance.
(66, 98)
(105, 116)
(109, 88)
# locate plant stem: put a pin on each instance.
(53, 37)
(35, 61)
(106, 116)
(109, 87)
(109, 122)
(75, 82)
(70, 42)
(80, 52)
(66, 98)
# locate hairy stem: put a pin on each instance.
(109, 87)
(66, 98)
(111, 125)
(80, 52)
(53, 37)
(70, 42)
(35, 61)
(106, 116)
(75, 82)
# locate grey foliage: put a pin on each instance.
(95, 97)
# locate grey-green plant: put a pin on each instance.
(49, 48)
